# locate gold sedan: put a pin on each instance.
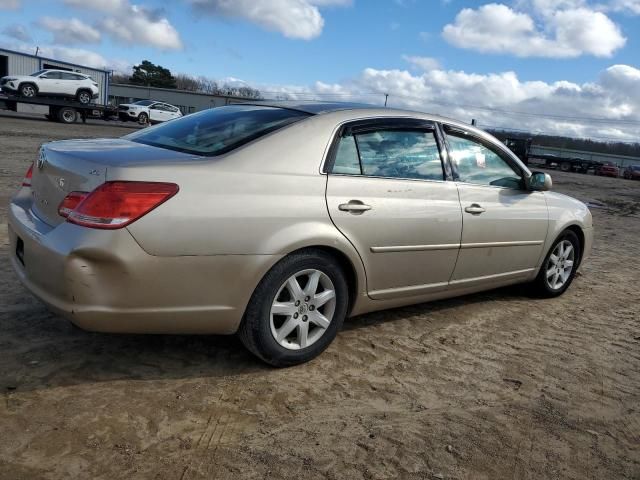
(279, 221)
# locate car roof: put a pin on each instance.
(62, 71)
(356, 109)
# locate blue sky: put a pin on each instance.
(566, 57)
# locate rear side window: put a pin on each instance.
(410, 154)
(218, 130)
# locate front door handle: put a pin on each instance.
(474, 209)
(354, 206)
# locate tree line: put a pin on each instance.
(149, 74)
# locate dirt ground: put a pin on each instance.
(490, 386)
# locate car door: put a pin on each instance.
(171, 111)
(156, 114)
(68, 83)
(387, 192)
(49, 83)
(504, 225)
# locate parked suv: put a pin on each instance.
(150, 111)
(608, 169)
(49, 82)
(632, 172)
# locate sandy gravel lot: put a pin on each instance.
(490, 386)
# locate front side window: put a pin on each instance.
(218, 130)
(410, 154)
(51, 75)
(476, 163)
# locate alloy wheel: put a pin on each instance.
(560, 265)
(303, 309)
(28, 91)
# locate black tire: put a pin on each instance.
(541, 284)
(28, 90)
(143, 118)
(67, 115)
(255, 329)
(84, 97)
(565, 166)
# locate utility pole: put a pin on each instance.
(37, 50)
(386, 97)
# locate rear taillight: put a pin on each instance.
(117, 204)
(26, 182)
(70, 203)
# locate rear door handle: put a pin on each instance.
(474, 209)
(354, 206)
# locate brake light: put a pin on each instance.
(117, 204)
(26, 182)
(70, 203)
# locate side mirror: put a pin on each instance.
(540, 182)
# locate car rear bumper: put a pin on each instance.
(102, 280)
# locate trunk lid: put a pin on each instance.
(81, 165)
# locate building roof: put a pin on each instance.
(54, 60)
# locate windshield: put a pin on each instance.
(144, 103)
(217, 130)
(39, 72)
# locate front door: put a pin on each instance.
(504, 225)
(49, 83)
(387, 193)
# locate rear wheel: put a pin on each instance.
(28, 90)
(67, 115)
(297, 309)
(84, 97)
(565, 166)
(559, 267)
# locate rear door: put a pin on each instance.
(387, 192)
(504, 224)
(69, 83)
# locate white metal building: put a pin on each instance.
(19, 63)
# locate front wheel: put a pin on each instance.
(297, 309)
(28, 90)
(143, 118)
(559, 267)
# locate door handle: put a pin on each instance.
(354, 206)
(474, 209)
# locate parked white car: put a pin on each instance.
(144, 111)
(59, 83)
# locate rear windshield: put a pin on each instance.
(217, 130)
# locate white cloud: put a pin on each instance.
(18, 32)
(10, 4)
(567, 29)
(69, 31)
(422, 63)
(628, 6)
(133, 24)
(300, 19)
(495, 100)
